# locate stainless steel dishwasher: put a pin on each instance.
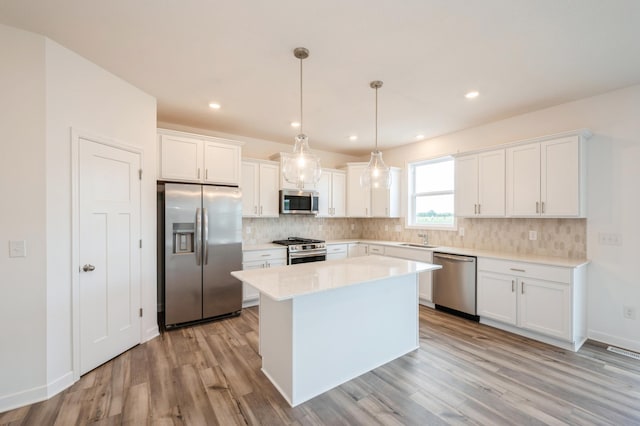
(454, 286)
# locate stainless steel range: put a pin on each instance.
(303, 250)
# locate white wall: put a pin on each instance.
(613, 198)
(83, 96)
(46, 91)
(22, 213)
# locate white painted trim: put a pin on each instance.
(36, 394)
(76, 135)
(252, 301)
(151, 333)
(571, 346)
(609, 339)
(208, 138)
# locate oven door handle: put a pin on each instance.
(307, 253)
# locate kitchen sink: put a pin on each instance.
(416, 245)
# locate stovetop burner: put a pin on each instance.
(297, 240)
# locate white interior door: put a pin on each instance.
(109, 253)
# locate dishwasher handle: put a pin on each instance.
(454, 257)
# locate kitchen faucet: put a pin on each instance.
(425, 238)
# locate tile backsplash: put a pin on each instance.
(555, 237)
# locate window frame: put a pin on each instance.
(410, 217)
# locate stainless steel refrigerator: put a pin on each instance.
(202, 245)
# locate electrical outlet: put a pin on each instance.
(18, 248)
(320, 228)
(461, 232)
(609, 239)
(533, 235)
(353, 226)
(247, 230)
(629, 312)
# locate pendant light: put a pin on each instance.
(302, 167)
(377, 174)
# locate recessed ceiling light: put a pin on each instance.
(295, 124)
(472, 94)
(353, 138)
(214, 105)
(419, 137)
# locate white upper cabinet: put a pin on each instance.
(369, 202)
(480, 184)
(358, 198)
(386, 202)
(221, 163)
(332, 193)
(546, 179)
(180, 158)
(193, 158)
(260, 193)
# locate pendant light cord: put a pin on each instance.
(376, 119)
(301, 131)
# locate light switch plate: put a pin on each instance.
(533, 235)
(18, 248)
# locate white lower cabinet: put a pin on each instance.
(425, 290)
(544, 302)
(357, 249)
(260, 259)
(337, 251)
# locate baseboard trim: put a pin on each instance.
(247, 303)
(621, 342)
(36, 394)
(151, 333)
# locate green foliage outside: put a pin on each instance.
(434, 218)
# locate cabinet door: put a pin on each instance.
(545, 307)
(380, 202)
(466, 185)
(358, 198)
(324, 195)
(497, 297)
(425, 289)
(339, 194)
(385, 202)
(249, 187)
(356, 250)
(523, 180)
(221, 163)
(560, 177)
(276, 262)
(180, 158)
(491, 183)
(249, 293)
(269, 192)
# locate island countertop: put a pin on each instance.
(287, 282)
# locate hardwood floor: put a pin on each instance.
(463, 372)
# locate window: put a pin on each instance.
(431, 194)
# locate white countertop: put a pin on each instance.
(287, 282)
(492, 254)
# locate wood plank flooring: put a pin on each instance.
(463, 372)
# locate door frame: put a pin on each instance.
(76, 136)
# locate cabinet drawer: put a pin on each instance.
(269, 254)
(376, 249)
(337, 248)
(527, 270)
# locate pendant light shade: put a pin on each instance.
(302, 167)
(377, 174)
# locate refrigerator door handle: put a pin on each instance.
(198, 236)
(205, 235)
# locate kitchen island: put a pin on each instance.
(325, 323)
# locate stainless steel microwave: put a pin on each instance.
(298, 202)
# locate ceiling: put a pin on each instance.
(521, 55)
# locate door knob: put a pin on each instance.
(88, 268)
